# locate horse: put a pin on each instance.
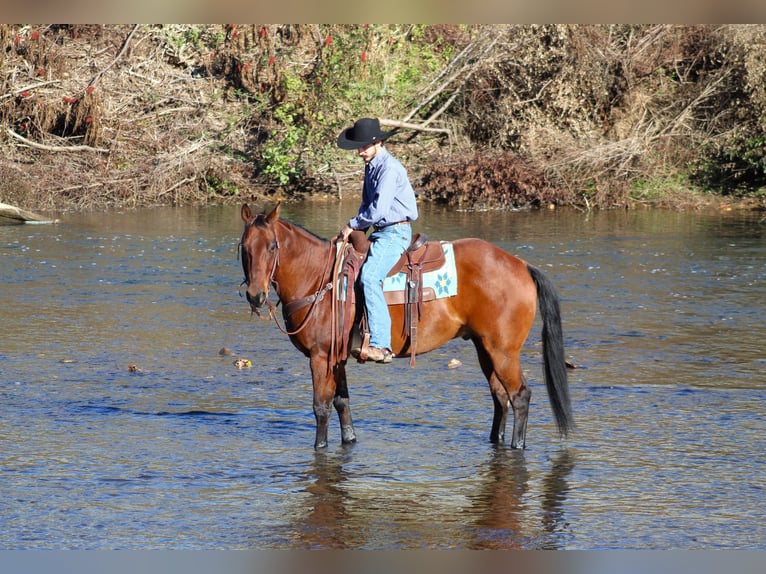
(498, 295)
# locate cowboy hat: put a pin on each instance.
(364, 132)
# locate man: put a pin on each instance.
(388, 206)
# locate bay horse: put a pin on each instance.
(497, 297)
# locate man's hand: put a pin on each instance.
(345, 232)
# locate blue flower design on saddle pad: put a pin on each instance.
(442, 284)
(443, 281)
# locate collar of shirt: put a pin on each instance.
(379, 159)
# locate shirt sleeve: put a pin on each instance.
(378, 200)
(387, 195)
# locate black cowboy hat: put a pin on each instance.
(364, 132)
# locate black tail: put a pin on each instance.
(554, 362)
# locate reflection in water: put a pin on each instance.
(499, 502)
(502, 523)
(498, 516)
(662, 312)
(324, 526)
(555, 490)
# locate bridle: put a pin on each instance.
(293, 306)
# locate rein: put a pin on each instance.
(334, 265)
(313, 299)
(330, 275)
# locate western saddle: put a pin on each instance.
(420, 257)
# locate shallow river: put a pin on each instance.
(663, 316)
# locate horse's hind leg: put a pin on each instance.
(508, 371)
(508, 386)
(499, 395)
(500, 400)
(341, 403)
(520, 402)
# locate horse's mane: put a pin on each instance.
(260, 221)
(291, 225)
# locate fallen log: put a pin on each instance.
(13, 214)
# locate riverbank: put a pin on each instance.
(41, 206)
(483, 116)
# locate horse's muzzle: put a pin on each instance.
(257, 301)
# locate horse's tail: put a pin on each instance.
(554, 362)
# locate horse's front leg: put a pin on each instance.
(341, 402)
(330, 390)
(324, 391)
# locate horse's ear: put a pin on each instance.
(247, 213)
(274, 215)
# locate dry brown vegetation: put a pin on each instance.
(606, 111)
(95, 116)
(486, 116)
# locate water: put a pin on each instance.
(663, 315)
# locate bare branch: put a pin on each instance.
(71, 148)
(113, 62)
(17, 91)
(412, 126)
(466, 63)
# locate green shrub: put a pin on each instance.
(736, 168)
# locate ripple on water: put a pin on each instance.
(661, 315)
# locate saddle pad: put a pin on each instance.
(442, 281)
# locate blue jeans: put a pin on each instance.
(386, 246)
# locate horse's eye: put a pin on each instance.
(272, 246)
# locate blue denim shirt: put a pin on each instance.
(387, 195)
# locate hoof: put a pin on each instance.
(348, 436)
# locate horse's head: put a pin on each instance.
(259, 247)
